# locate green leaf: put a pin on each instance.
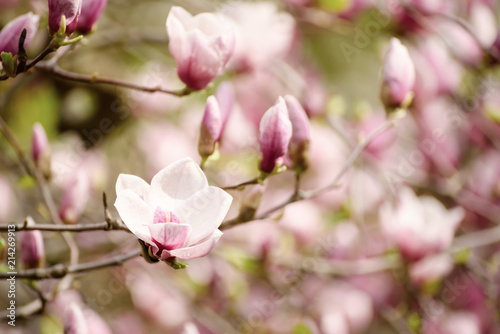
(9, 63)
(301, 329)
(334, 5)
(26, 182)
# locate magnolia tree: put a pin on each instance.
(293, 166)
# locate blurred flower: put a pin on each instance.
(32, 247)
(70, 9)
(263, 33)
(483, 22)
(398, 76)
(201, 45)
(40, 150)
(74, 320)
(419, 225)
(298, 148)
(10, 34)
(178, 214)
(225, 97)
(431, 269)
(91, 11)
(7, 204)
(462, 44)
(75, 198)
(211, 128)
(275, 135)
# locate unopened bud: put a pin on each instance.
(32, 247)
(91, 11)
(74, 199)
(70, 9)
(275, 135)
(10, 34)
(398, 77)
(40, 150)
(298, 148)
(211, 126)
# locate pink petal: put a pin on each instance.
(177, 182)
(132, 183)
(169, 236)
(135, 213)
(198, 250)
(204, 211)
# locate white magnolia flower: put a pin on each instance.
(178, 215)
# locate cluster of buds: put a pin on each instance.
(284, 137)
(68, 16)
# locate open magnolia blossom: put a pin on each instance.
(178, 215)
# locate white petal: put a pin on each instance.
(204, 211)
(135, 213)
(199, 250)
(132, 183)
(177, 182)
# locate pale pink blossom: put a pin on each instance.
(398, 75)
(75, 198)
(431, 269)
(263, 33)
(275, 135)
(483, 23)
(74, 320)
(178, 215)
(419, 226)
(10, 34)
(201, 45)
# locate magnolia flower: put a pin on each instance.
(201, 45)
(419, 226)
(398, 76)
(178, 215)
(275, 134)
(91, 11)
(9, 36)
(70, 9)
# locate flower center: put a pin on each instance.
(162, 217)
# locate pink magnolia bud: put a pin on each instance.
(201, 45)
(32, 247)
(70, 9)
(40, 149)
(275, 135)
(225, 97)
(75, 198)
(91, 11)
(211, 127)
(299, 143)
(9, 36)
(398, 76)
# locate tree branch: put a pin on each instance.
(104, 226)
(59, 270)
(94, 79)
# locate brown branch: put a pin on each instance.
(242, 185)
(60, 270)
(301, 195)
(104, 226)
(94, 79)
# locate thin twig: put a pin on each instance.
(60, 270)
(299, 195)
(94, 79)
(104, 226)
